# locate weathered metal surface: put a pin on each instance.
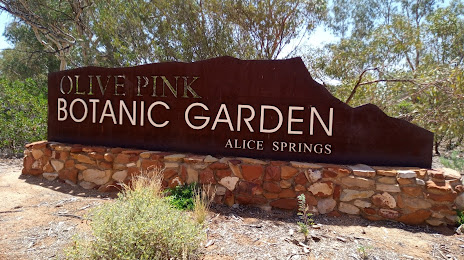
(95, 106)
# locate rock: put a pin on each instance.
(416, 203)
(313, 175)
(300, 178)
(252, 172)
(439, 188)
(362, 170)
(300, 188)
(287, 193)
(272, 173)
(389, 213)
(83, 158)
(48, 168)
(119, 176)
(210, 159)
(348, 208)
(349, 195)
(235, 168)
(271, 187)
(87, 185)
(284, 184)
(339, 170)
(51, 176)
(68, 174)
(406, 181)
(449, 174)
(362, 204)
(37, 154)
(175, 182)
(122, 158)
(192, 176)
(172, 165)
(337, 192)
(460, 202)
(385, 171)
(69, 164)
(435, 222)
(251, 161)
(388, 188)
(206, 177)
(325, 206)
(420, 182)
(57, 165)
(229, 182)
(387, 180)
(288, 172)
(271, 196)
(220, 190)
(360, 182)
(406, 174)
(97, 176)
(450, 197)
(305, 165)
(174, 158)
(415, 218)
(289, 204)
(321, 189)
(384, 200)
(412, 191)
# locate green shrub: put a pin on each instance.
(23, 114)
(460, 214)
(182, 196)
(454, 161)
(140, 224)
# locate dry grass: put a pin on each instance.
(202, 202)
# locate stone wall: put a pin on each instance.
(409, 195)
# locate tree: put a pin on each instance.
(406, 57)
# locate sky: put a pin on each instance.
(5, 18)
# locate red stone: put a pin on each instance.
(310, 199)
(257, 190)
(68, 174)
(278, 163)
(272, 173)
(412, 191)
(459, 188)
(243, 199)
(245, 187)
(258, 200)
(328, 174)
(116, 150)
(450, 197)
(406, 181)
(290, 204)
(69, 164)
(223, 173)
(48, 168)
(287, 193)
(122, 158)
(97, 149)
(271, 196)
(369, 211)
(27, 162)
(340, 171)
(37, 145)
(169, 173)
(96, 156)
(133, 152)
(388, 213)
(272, 187)
(132, 171)
(63, 155)
(183, 173)
(218, 166)
(439, 188)
(235, 161)
(105, 165)
(436, 174)
(415, 218)
(76, 149)
(229, 198)
(336, 192)
(47, 152)
(110, 187)
(150, 164)
(206, 177)
(301, 179)
(252, 172)
(194, 159)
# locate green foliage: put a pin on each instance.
(182, 196)
(460, 214)
(140, 224)
(305, 216)
(364, 251)
(23, 114)
(455, 160)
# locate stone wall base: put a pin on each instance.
(409, 195)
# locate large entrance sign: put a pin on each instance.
(227, 106)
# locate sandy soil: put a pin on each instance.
(38, 219)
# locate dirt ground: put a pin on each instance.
(38, 219)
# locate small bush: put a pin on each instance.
(182, 196)
(460, 214)
(305, 216)
(140, 224)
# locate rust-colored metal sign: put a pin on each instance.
(227, 106)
